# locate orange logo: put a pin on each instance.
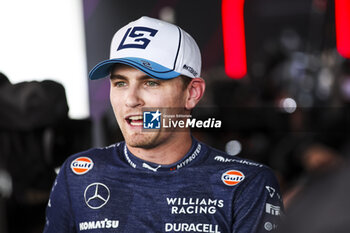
(232, 177)
(81, 165)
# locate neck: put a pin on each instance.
(166, 153)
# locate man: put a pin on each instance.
(162, 180)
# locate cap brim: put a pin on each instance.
(150, 68)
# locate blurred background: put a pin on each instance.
(289, 111)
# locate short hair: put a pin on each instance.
(185, 81)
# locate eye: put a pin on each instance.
(152, 83)
(119, 84)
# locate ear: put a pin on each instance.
(195, 91)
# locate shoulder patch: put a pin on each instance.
(81, 165)
(232, 177)
(222, 159)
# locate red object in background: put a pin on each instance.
(234, 38)
(342, 26)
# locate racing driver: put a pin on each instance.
(159, 180)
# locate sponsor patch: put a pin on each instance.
(189, 205)
(102, 224)
(190, 69)
(232, 177)
(270, 226)
(271, 191)
(192, 227)
(227, 160)
(272, 209)
(96, 195)
(81, 165)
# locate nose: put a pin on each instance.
(133, 98)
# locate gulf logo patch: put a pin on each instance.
(232, 177)
(81, 165)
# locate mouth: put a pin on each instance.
(134, 120)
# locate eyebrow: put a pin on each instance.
(119, 76)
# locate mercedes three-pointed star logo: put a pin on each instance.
(96, 195)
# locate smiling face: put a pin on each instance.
(131, 90)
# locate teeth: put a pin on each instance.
(136, 123)
(134, 118)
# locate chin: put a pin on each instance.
(141, 140)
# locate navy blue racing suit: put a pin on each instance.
(111, 190)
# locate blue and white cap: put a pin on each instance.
(159, 49)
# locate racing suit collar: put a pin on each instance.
(194, 155)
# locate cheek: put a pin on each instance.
(116, 102)
(154, 98)
(177, 97)
(165, 100)
(171, 97)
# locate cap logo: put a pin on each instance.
(232, 177)
(81, 165)
(136, 38)
(190, 69)
(146, 64)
